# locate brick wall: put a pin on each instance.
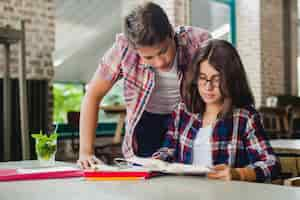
(40, 33)
(248, 42)
(292, 14)
(40, 38)
(261, 42)
(272, 48)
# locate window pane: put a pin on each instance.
(213, 16)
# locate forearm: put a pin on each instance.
(88, 123)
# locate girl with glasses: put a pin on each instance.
(217, 125)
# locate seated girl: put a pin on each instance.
(218, 125)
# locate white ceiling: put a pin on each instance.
(85, 29)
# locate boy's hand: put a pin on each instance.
(87, 161)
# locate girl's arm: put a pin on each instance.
(260, 153)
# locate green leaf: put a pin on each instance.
(53, 136)
(45, 145)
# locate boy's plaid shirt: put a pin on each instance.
(238, 141)
(121, 61)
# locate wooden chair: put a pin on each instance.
(275, 121)
(295, 181)
(73, 119)
(294, 122)
(111, 150)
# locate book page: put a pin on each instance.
(172, 168)
(153, 165)
(150, 163)
(179, 168)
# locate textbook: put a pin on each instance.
(39, 173)
(141, 168)
(156, 165)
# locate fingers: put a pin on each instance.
(93, 161)
(97, 161)
(156, 155)
(88, 162)
(221, 172)
(218, 175)
(220, 167)
(83, 164)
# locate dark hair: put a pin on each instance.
(234, 86)
(147, 25)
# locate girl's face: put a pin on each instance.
(209, 84)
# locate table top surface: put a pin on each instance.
(286, 144)
(166, 187)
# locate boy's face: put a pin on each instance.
(160, 56)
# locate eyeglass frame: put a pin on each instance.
(215, 83)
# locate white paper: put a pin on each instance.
(46, 169)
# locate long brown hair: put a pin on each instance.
(234, 86)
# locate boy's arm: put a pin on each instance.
(108, 72)
(97, 89)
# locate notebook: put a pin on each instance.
(39, 173)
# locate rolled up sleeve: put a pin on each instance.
(260, 153)
(110, 64)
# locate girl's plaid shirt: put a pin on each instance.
(238, 141)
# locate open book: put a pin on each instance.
(156, 165)
(137, 167)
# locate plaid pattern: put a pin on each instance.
(121, 61)
(238, 141)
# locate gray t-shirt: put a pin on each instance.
(165, 95)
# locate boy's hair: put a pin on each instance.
(147, 25)
(234, 86)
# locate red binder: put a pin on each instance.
(14, 175)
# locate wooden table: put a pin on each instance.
(159, 188)
(286, 146)
(121, 111)
(288, 152)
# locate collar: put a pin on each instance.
(181, 40)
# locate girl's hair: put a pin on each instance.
(234, 86)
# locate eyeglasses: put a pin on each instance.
(214, 81)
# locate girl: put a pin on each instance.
(218, 125)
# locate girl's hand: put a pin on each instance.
(221, 172)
